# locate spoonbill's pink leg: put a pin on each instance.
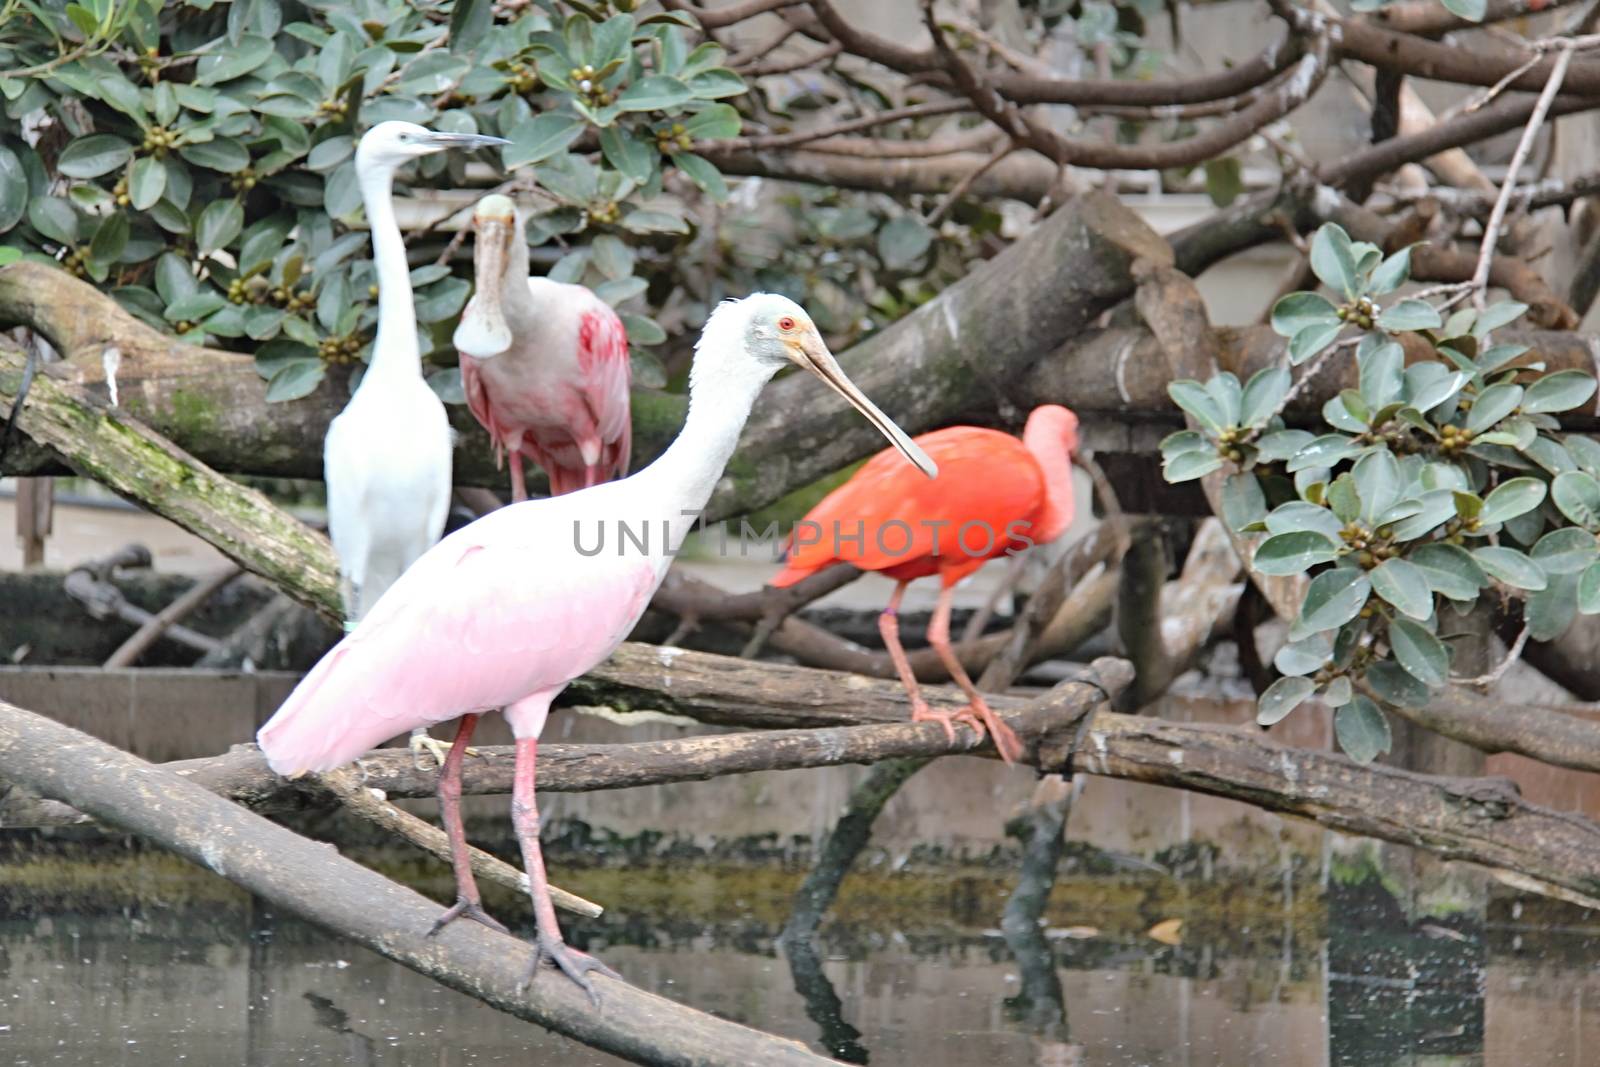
(889, 630)
(468, 902)
(1005, 739)
(519, 488)
(525, 817)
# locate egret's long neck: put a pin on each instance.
(722, 391)
(394, 350)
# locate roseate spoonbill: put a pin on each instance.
(544, 364)
(508, 610)
(993, 495)
(386, 457)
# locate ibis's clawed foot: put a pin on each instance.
(574, 964)
(421, 742)
(920, 712)
(467, 909)
(1006, 741)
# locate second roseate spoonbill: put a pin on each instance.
(544, 364)
(993, 495)
(386, 457)
(508, 610)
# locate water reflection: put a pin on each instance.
(127, 956)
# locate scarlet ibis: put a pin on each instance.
(386, 457)
(544, 364)
(994, 495)
(507, 611)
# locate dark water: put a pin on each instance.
(115, 954)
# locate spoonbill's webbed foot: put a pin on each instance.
(421, 742)
(549, 943)
(575, 964)
(467, 909)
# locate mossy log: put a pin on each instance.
(317, 884)
(955, 358)
(123, 454)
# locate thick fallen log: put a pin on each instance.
(322, 887)
(124, 455)
(949, 361)
(863, 727)
(1480, 820)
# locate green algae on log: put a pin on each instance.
(125, 456)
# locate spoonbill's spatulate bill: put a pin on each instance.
(508, 610)
(386, 457)
(544, 364)
(994, 495)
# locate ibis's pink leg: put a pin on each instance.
(889, 630)
(519, 488)
(1005, 739)
(525, 817)
(468, 902)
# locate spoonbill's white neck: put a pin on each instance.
(723, 385)
(394, 350)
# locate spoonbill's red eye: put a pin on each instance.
(786, 323)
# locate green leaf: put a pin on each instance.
(1382, 370)
(1224, 180)
(1511, 499)
(443, 300)
(1410, 315)
(1333, 598)
(1438, 507)
(1430, 384)
(703, 174)
(1589, 590)
(330, 153)
(1188, 466)
(1294, 553)
(1550, 611)
(1225, 389)
(1391, 274)
(1263, 394)
(540, 138)
(1471, 10)
(903, 241)
(147, 180)
(641, 221)
(1311, 340)
(1565, 551)
(92, 156)
(235, 62)
(1243, 502)
(1175, 444)
(1281, 444)
(109, 239)
(1393, 685)
(1377, 476)
(1282, 697)
(614, 258)
(717, 84)
(1298, 515)
(220, 153)
(469, 24)
(1423, 655)
(1360, 726)
(13, 189)
(1193, 398)
(1404, 586)
(1339, 692)
(195, 305)
(1492, 405)
(294, 379)
(633, 158)
(54, 218)
(640, 330)
(1324, 451)
(1344, 498)
(1577, 496)
(332, 298)
(1497, 316)
(1333, 261)
(713, 122)
(1561, 391)
(1510, 566)
(219, 224)
(1305, 656)
(1449, 570)
(656, 92)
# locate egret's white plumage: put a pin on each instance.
(387, 456)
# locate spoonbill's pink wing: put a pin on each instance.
(502, 609)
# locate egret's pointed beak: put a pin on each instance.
(483, 332)
(814, 356)
(440, 140)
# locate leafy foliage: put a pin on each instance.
(197, 159)
(1436, 483)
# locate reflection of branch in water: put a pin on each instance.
(844, 843)
(822, 1003)
(332, 1017)
(1039, 1004)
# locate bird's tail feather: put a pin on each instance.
(317, 729)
